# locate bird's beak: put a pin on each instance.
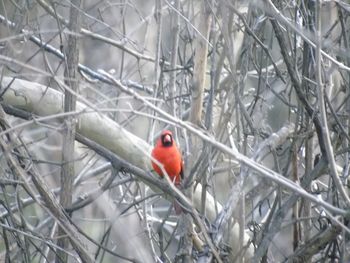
(167, 138)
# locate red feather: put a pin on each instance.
(167, 153)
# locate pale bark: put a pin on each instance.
(44, 101)
(200, 64)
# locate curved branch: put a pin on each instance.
(43, 101)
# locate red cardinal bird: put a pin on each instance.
(167, 153)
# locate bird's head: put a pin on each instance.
(166, 138)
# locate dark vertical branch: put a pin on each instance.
(295, 214)
(297, 84)
(71, 80)
(307, 11)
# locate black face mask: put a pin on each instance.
(167, 143)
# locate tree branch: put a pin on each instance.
(71, 80)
